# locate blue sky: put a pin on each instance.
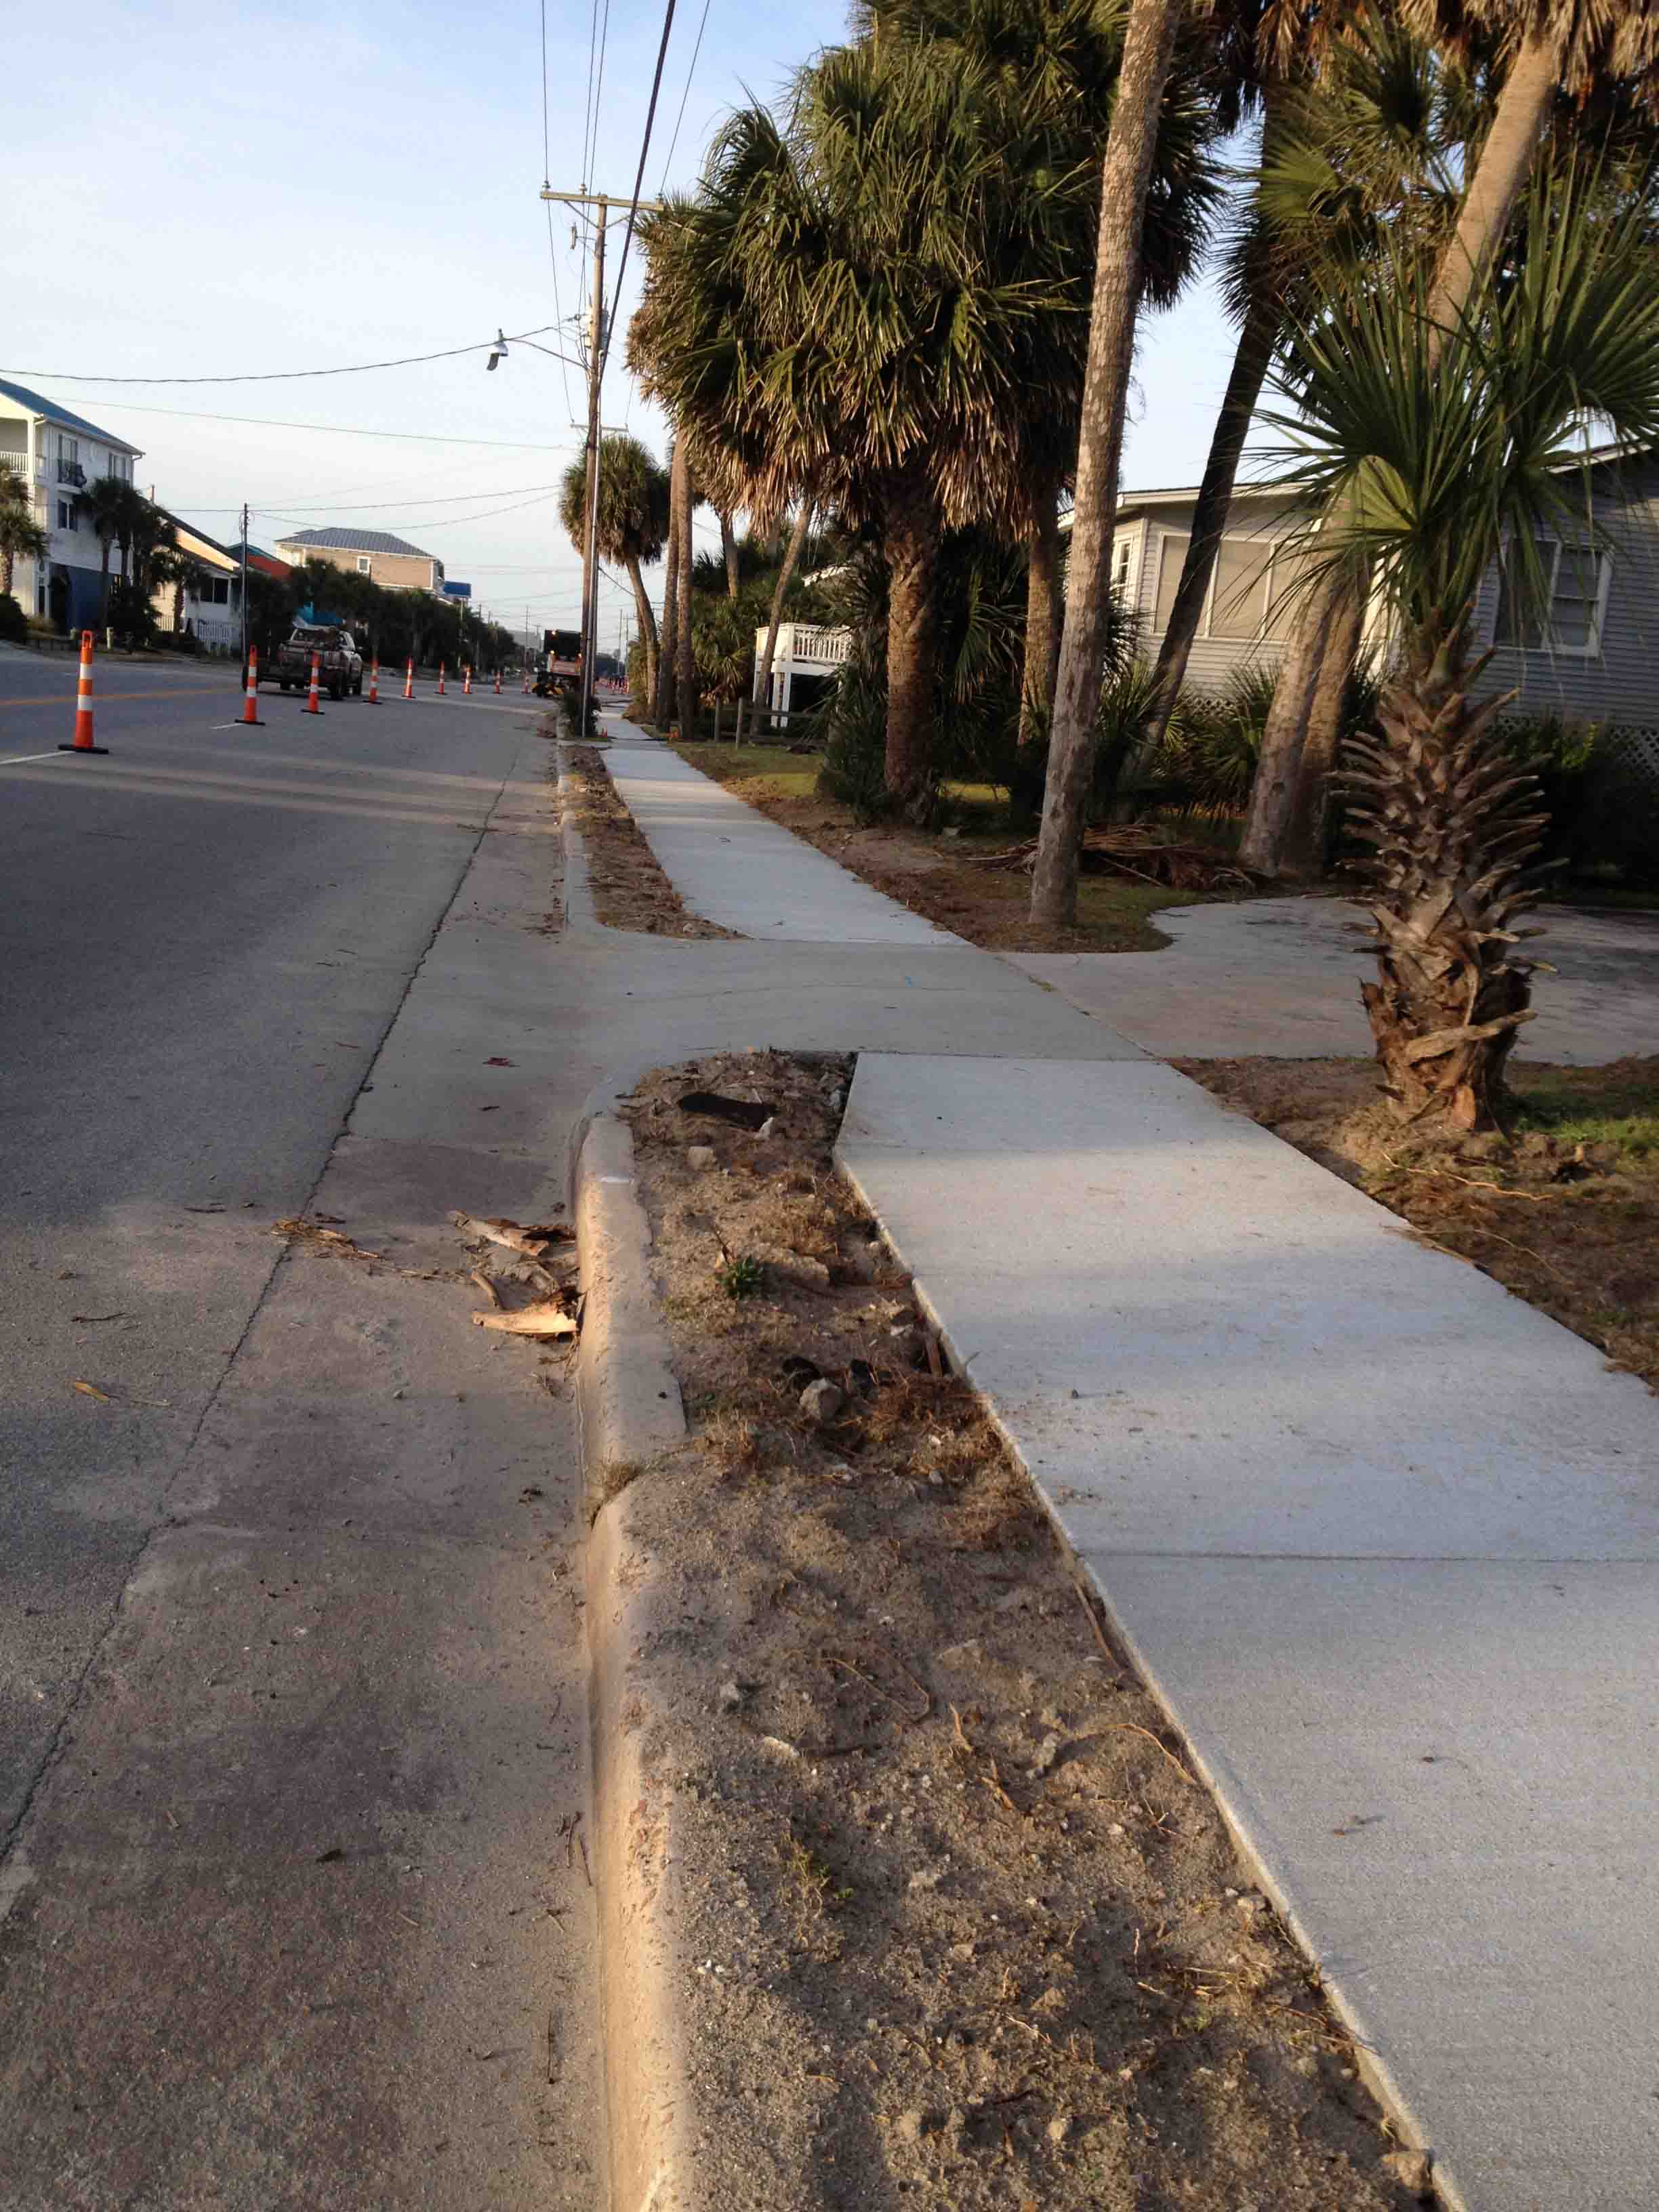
(258, 188)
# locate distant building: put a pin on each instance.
(390, 561)
(57, 454)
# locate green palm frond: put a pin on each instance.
(1437, 466)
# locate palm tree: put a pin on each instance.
(790, 562)
(110, 502)
(865, 299)
(1125, 175)
(21, 538)
(662, 698)
(1058, 62)
(682, 499)
(1351, 123)
(632, 521)
(1434, 450)
(171, 564)
(1546, 51)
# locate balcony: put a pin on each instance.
(72, 473)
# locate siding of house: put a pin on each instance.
(1213, 660)
(1619, 681)
(393, 572)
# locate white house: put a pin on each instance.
(211, 609)
(806, 656)
(57, 454)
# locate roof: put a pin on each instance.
(354, 541)
(37, 405)
(201, 537)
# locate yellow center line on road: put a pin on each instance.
(57, 698)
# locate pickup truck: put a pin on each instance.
(341, 668)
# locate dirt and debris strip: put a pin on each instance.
(630, 888)
(966, 1929)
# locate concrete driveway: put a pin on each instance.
(1281, 976)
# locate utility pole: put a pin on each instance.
(245, 591)
(598, 345)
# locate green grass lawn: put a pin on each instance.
(1617, 1107)
(986, 905)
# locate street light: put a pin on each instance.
(500, 352)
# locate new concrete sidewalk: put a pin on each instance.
(1385, 1539)
(1281, 976)
(732, 866)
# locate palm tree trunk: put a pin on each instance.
(1506, 161)
(662, 706)
(1272, 793)
(911, 544)
(1500, 176)
(1302, 855)
(8, 562)
(729, 550)
(774, 615)
(648, 623)
(1044, 613)
(686, 685)
(1126, 172)
(1263, 321)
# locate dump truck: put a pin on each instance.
(559, 675)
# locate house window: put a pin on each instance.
(68, 449)
(1578, 577)
(1238, 596)
(1252, 595)
(1122, 555)
(216, 592)
(363, 564)
(65, 515)
(1171, 561)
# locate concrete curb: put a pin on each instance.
(630, 1414)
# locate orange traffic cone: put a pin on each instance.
(311, 706)
(409, 681)
(440, 679)
(374, 683)
(251, 700)
(83, 704)
(466, 684)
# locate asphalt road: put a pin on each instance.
(290, 1689)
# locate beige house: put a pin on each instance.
(392, 562)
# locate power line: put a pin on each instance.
(313, 506)
(684, 96)
(553, 257)
(275, 375)
(639, 179)
(544, 152)
(598, 81)
(280, 514)
(587, 97)
(345, 429)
